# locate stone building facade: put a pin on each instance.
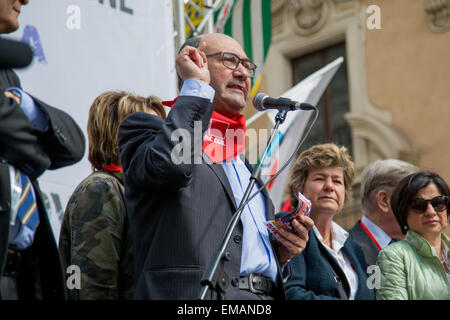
(397, 75)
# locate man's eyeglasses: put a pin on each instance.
(439, 203)
(231, 61)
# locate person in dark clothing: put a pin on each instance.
(34, 137)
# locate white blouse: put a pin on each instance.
(339, 236)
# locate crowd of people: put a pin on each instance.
(144, 225)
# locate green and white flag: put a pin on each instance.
(249, 22)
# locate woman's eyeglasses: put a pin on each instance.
(439, 203)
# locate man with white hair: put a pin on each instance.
(378, 226)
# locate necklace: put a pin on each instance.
(327, 241)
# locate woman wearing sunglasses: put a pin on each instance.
(417, 268)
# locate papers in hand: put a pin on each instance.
(303, 208)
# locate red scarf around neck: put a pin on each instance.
(112, 168)
(225, 138)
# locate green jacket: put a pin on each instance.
(95, 237)
(410, 270)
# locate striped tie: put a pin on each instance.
(27, 210)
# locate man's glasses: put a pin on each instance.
(439, 203)
(231, 61)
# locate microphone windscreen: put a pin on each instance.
(258, 100)
(307, 106)
(14, 54)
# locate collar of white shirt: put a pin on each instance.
(382, 237)
(339, 236)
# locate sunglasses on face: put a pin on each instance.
(439, 204)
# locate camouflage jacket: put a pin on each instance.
(95, 237)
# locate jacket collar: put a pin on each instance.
(421, 245)
(220, 173)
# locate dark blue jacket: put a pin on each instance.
(312, 277)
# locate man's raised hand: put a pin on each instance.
(192, 63)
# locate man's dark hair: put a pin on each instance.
(193, 42)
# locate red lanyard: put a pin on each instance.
(370, 234)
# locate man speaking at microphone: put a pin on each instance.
(179, 210)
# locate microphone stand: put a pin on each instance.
(215, 277)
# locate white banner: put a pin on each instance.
(83, 48)
(309, 90)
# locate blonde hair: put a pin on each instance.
(105, 115)
(321, 156)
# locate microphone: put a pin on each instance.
(14, 54)
(263, 102)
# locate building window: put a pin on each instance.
(331, 125)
